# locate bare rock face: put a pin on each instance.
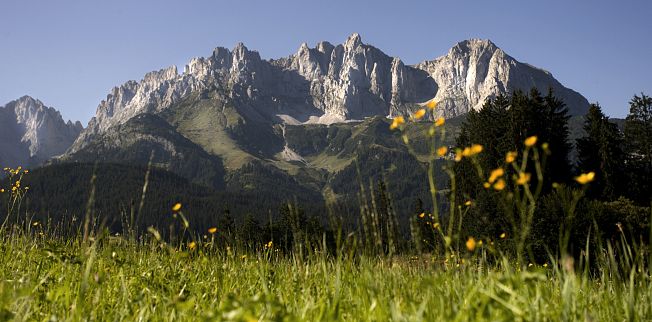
(32, 132)
(329, 84)
(475, 70)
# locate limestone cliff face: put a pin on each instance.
(330, 83)
(474, 70)
(32, 132)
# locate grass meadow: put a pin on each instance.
(94, 274)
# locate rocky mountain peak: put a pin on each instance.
(33, 132)
(353, 41)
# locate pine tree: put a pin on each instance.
(601, 151)
(638, 139)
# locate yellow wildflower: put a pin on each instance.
(470, 244)
(468, 203)
(495, 174)
(523, 178)
(440, 121)
(192, 245)
(396, 122)
(212, 230)
(458, 155)
(585, 178)
(499, 185)
(419, 114)
(441, 151)
(176, 207)
(531, 141)
(421, 215)
(431, 104)
(466, 152)
(435, 225)
(486, 185)
(511, 156)
(2, 190)
(503, 235)
(243, 257)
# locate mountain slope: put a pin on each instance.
(32, 132)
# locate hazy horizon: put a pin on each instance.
(69, 54)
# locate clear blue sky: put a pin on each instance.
(71, 53)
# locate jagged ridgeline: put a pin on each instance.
(309, 126)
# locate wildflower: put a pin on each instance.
(26, 171)
(35, 223)
(192, 245)
(472, 150)
(419, 114)
(531, 141)
(545, 146)
(2, 190)
(523, 178)
(466, 152)
(440, 121)
(480, 242)
(585, 178)
(545, 264)
(495, 174)
(212, 230)
(431, 104)
(470, 244)
(421, 215)
(243, 257)
(441, 151)
(503, 235)
(486, 185)
(530, 265)
(176, 207)
(269, 245)
(435, 225)
(396, 122)
(467, 203)
(458, 155)
(499, 185)
(511, 156)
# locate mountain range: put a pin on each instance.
(306, 125)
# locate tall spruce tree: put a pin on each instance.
(638, 145)
(601, 151)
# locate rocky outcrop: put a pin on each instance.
(31, 132)
(330, 83)
(475, 70)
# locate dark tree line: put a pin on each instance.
(621, 161)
